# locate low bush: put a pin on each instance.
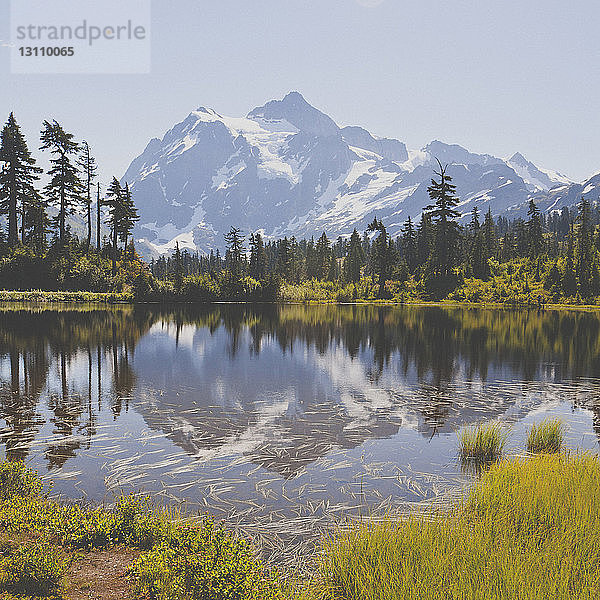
(33, 570)
(204, 562)
(17, 480)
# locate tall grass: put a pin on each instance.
(547, 436)
(529, 529)
(484, 442)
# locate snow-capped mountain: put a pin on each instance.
(289, 169)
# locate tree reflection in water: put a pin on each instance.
(67, 363)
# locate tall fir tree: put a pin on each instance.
(409, 245)
(535, 232)
(490, 243)
(258, 256)
(64, 188)
(87, 164)
(322, 257)
(585, 247)
(17, 180)
(424, 238)
(129, 217)
(116, 211)
(383, 254)
(444, 256)
(355, 259)
(235, 252)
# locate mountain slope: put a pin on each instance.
(288, 169)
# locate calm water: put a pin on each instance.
(283, 419)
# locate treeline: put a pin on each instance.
(541, 258)
(37, 246)
(537, 259)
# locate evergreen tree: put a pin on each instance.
(585, 246)
(64, 188)
(444, 255)
(383, 254)
(98, 217)
(178, 271)
(333, 271)
(284, 259)
(522, 238)
(116, 211)
(569, 276)
(508, 246)
(258, 256)
(87, 164)
(535, 235)
(17, 179)
(36, 223)
(129, 216)
(235, 252)
(424, 238)
(475, 251)
(322, 257)
(490, 235)
(409, 245)
(355, 259)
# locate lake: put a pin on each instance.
(283, 419)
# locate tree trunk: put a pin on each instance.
(13, 235)
(114, 252)
(89, 220)
(61, 218)
(98, 219)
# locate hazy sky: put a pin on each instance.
(494, 76)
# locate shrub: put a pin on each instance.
(546, 436)
(131, 522)
(34, 570)
(203, 562)
(18, 480)
(484, 442)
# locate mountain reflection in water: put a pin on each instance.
(282, 408)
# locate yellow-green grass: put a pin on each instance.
(547, 436)
(529, 529)
(482, 443)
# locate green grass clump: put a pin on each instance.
(484, 442)
(529, 529)
(33, 570)
(547, 436)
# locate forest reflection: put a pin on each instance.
(59, 367)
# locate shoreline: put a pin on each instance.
(118, 298)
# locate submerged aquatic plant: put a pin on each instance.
(547, 436)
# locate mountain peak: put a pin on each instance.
(518, 159)
(294, 96)
(294, 109)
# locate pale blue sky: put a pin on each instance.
(494, 76)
